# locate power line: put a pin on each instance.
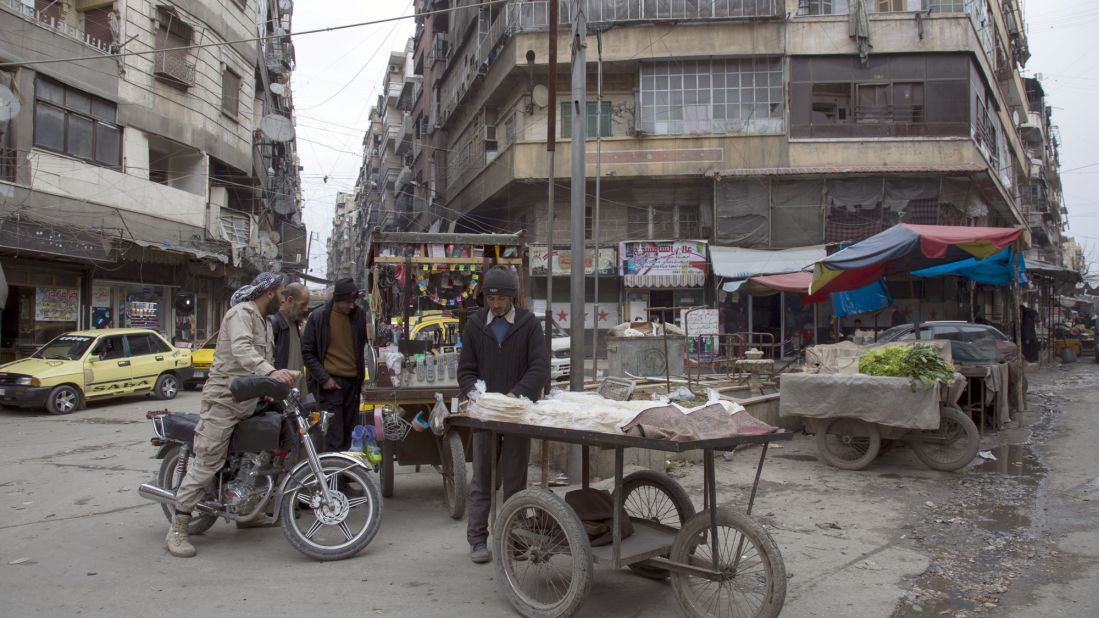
(254, 39)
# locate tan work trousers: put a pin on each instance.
(218, 416)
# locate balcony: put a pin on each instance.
(842, 7)
(174, 68)
(50, 22)
(404, 142)
(1032, 131)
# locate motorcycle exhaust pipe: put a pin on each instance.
(159, 494)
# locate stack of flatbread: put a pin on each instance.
(498, 407)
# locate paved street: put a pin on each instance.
(1013, 537)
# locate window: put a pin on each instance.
(732, 95)
(109, 348)
(822, 7)
(831, 103)
(75, 123)
(139, 345)
(230, 93)
(157, 345)
(591, 119)
(663, 222)
(173, 66)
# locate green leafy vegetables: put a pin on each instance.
(919, 361)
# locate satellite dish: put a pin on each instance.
(277, 128)
(539, 95)
(278, 89)
(1015, 117)
(284, 205)
(285, 5)
(9, 104)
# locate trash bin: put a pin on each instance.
(644, 356)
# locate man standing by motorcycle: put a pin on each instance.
(332, 346)
(503, 345)
(244, 348)
(286, 330)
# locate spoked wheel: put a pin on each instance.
(337, 529)
(656, 498)
(848, 443)
(953, 445)
(749, 579)
(543, 557)
(172, 471)
(453, 470)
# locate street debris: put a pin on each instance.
(987, 455)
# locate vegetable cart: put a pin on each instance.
(721, 561)
(855, 416)
(422, 288)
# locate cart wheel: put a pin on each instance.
(388, 462)
(848, 443)
(953, 445)
(657, 498)
(455, 483)
(752, 580)
(543, 557)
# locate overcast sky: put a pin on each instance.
(339, 76)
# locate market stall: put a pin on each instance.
(423, 286)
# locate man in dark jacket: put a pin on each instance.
(286, 329)
(332, 348)
(504, 346)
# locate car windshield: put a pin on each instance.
(557, 330)
(65, 347)
(211, 343)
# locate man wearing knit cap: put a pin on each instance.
(332, 348)
(504, 346)
(244, 348)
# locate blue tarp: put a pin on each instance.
(870, 298)
(995, 270)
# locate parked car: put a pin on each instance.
(969, 342)
(92, 365)
(561, 345)
(202, 359)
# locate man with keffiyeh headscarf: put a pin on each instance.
(245, 347)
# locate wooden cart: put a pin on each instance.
(544, 560)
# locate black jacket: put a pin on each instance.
(314, 343)
(520, 365)
(280, 328)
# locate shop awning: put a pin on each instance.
(995, 270)
(904, 248)
(171, 247)
(739, 263)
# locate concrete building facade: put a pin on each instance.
(151, 167)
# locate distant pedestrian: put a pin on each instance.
(332, 347)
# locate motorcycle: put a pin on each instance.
(328, 520)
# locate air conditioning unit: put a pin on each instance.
(490, 124)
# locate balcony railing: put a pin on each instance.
(52, 23)
(175, 68)
(535, 15)
(842, 7)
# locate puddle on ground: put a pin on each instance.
(1011, 460)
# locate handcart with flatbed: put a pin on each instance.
(721, 561)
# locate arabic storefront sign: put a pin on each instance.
(671, 257)
(56, 304)
(562, 261)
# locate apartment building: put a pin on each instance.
(151, 166)
(751, 123)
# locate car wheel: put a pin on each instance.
(167, 386)
(64, 399)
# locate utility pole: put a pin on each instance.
(551, 139)
(595, 215)
(309, 251)
(579, 134)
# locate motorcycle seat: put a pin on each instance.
(255, 433)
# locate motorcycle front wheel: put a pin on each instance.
(172, 471)
(337, 530)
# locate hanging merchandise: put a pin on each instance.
(460, 288)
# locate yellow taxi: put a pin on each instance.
(93, 365)
(202, 359)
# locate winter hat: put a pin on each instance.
(345, 289)
(500, 281)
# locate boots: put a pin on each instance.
(178, 541)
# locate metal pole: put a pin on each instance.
(595, 215)
(551, 135)
(1017, 300)
(579, 134)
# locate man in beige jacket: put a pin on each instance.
(244, 348)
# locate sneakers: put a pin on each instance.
(178, 540)
(480, 554)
